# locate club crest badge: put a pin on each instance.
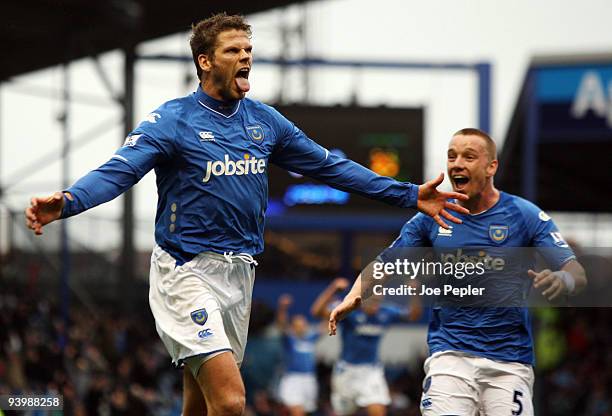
(199, 316)
(498, 233)
(256, 133)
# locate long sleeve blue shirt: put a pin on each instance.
(211, 161)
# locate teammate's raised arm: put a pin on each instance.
(282, 314)
(320, 307)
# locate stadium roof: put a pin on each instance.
(41, 33)
(571, 156)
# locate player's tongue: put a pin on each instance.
(243, 84)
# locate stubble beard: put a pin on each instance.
(221, 84)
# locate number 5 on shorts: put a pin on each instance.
(517, 396)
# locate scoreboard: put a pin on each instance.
(388, 141)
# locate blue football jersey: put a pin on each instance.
(361, 333)
(211, 163)
(499, 333)
(299, 352)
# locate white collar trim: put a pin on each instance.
(221, 114)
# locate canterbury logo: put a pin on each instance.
(228, 167)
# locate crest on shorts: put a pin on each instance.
(498, 233)
(256, 133)
(199, 316)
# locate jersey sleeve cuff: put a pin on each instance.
(71, 206)
(565, 261)
(412, 196)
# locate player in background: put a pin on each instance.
(210, 151)
(298, 388)
(358, 378)
(481, 358)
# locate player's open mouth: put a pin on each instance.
(460, 181)
(242, 79)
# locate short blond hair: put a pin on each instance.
(489, 142)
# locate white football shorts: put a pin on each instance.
(203, 306)
(358, 385)
(299, 389)
(462, 384)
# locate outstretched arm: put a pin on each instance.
(570, 280)
(350, 302)
(354, 299)
(320, 307)
(150, 143)
(98, 186)
(298, 153)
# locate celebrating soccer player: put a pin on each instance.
(210, 151)
(481, 358)
(358, 379)
(298, 388)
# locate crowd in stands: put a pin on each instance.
(105, 362)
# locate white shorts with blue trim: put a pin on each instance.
(203, 306)
(299, 389)
(462, 384)
(358, 385)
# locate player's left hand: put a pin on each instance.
(435, 203)
(548, 280)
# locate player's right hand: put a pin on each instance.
(435, 203)
(345, 307)
(43, 210)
